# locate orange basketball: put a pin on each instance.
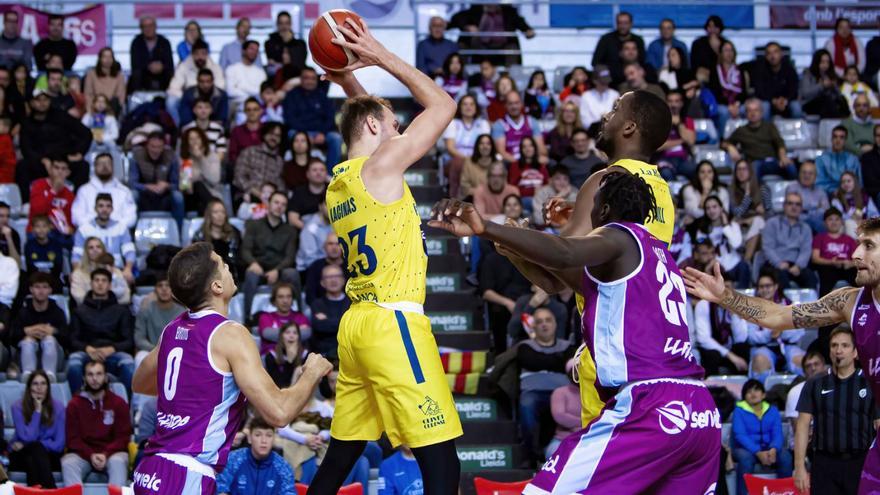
(326, 53)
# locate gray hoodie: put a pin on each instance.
(15, 50)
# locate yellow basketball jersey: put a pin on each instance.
(661, 227)
(663, 223)
(382, 244)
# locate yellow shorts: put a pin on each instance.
(391, 379)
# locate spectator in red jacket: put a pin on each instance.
(7, 152)
(98, 428)
(52, 196)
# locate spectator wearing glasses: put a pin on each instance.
(788, 244)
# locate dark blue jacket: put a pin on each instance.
(654, 56)
(219, 103)
(245, 475)
(310, 111)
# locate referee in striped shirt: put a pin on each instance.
(841, 408)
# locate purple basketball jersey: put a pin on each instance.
(636, 327)
(515, 132)
(200, 408)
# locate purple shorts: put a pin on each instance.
(156, 475)
(870, 482)
(660, 436)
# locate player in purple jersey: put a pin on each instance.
(857, 306)
(661, 431)
(205, 369)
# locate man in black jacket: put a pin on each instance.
(491, 18)
(776, 83)
(151, 62)
(610, 44)
(46, 132)
(284, 39)
(871, 168)
(55, 44)
(40, 328)
(101, 330)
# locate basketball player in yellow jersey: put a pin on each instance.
(390, 375)
(631, 132)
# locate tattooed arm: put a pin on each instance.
(834, 308)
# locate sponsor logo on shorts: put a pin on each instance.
(675, 417)
(147, 481)
(171, 421)
(431, 409)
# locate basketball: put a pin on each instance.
(326, 53)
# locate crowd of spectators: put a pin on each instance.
(249, 140)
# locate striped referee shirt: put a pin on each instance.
(843, 412)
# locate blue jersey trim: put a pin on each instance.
(410, 348)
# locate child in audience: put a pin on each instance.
(255, 208)
(832, 253)
(853, 202)
(7, 152)
(853, 87)
(44, 250)
(102, 123)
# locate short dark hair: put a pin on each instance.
(704, 242)
(622, 13)
(4, 204)
(58, 156)
(161, 276)
(281, 14)
(714, 19)
(652, 117)
(251, 99)
(814, 354)
(267, 84)
(560, 169)
(840, 128)
(40, 218)
(190, 274)
(842, 329)
(248, 43)
(772, 43)
(258, 423)
(869, 226)
(830, 212)
(53, 70)
(102, 155)
(309, 68)
(56, 17)
(39, 278)
(103, 197)
(268, 127)
(92, 364)
(752, 384)
(101, 271)
(628, 196)
(206, 72)
(156, 135)
(580, 130)
(276, 192)
(356, 110)
(199, 44)
(202, 99)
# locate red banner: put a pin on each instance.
(798, 16)
(87, 28)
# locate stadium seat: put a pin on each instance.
(190, 227)
(731, 126)
(67, 490)
(726, 430)
(559, 77)
(717, 156)
(119, 389)
(706, 131)
(10, 392)
(675, 187)
(352, 489)
(732, 383)
(796, 133)
(154, 228)
(760, 486)
(10, 195)
(237, 223)
(261, 303)
(20, 226)
(236, 307)
(774, 380)
(521, 75)
(809, 154)
(119, 490)
(777, 193)
(825, 128)
(797, 296)
(63, 302)
(485, 486)
(61, 392)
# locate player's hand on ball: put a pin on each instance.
(317, 366)
(703, 285)
(363, 44)
(558, 211)
(457, 217)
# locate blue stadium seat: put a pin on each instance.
(675, 187)
(10, 391)
(710, 152)
(190, 227)
(796, 133)
(559, 77)
(20, 226)
(777, 193)
(119, 389)
(774, 380)
(10, 194)
(521, 75)
(732, 383)
(797, 296)
(61, 392)
(237, 223)
(706, 131)
(731, 126)
(809, 154)
(154, 228)
(261, 303)
(236, 308)
(825, 128)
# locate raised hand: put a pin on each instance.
(457, 217)
(359, 40)
(558, 211)
(705, 286)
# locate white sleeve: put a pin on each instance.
(111, 129)
(79, 211)
(792, 399)
(292, 435)
(703, 326)
(740, 329)
(733, 233)
(127, 208)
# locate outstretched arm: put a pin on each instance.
(550, 251)
(829, 310)
(235, 347)
(398, 153)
